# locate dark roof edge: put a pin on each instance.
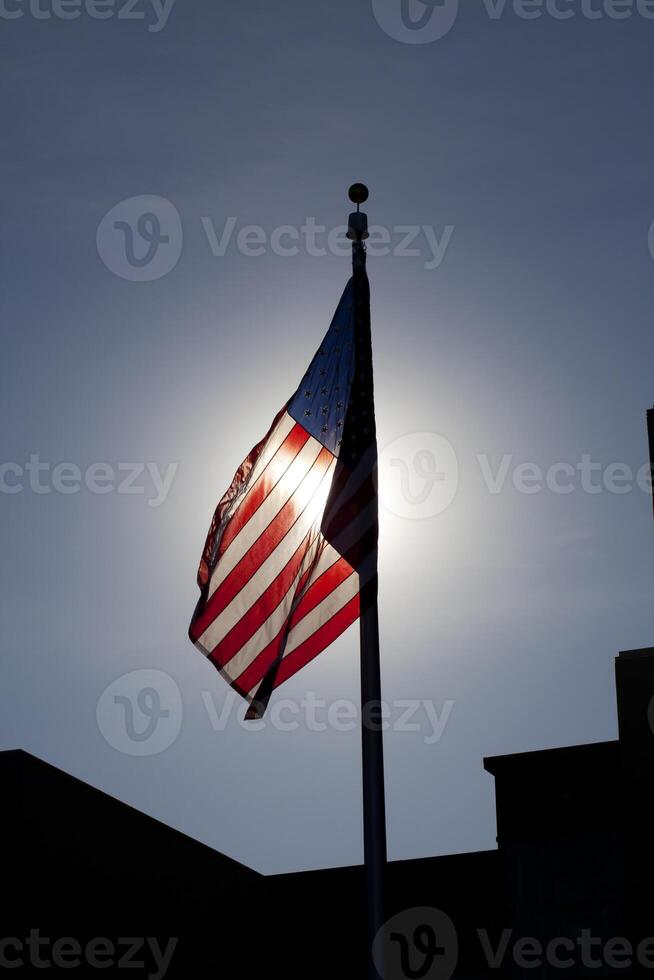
(402, 862)
(644, 652)
(146, 816)
(494, 762)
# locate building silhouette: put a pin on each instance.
(575, 852)
(572, 874)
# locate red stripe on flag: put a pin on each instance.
(264, 545)
(265, 483)
(264, 607)
(310, 648)
(257, 670)
(317, 642)
(221, 513)
(320, 589)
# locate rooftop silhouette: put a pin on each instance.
(575, 851)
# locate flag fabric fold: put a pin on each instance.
(293, 541)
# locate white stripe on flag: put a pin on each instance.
(323, 612)
(272, 626)
(312, 495)
(267, 512)
(329, 606)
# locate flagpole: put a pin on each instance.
(374, 803)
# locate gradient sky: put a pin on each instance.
(533, 337)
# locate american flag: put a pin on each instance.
(292, 547)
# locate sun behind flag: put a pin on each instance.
(293, 542)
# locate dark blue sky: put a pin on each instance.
(525, 148)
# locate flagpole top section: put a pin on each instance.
(357, 226)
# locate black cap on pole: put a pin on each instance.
(358, 193)
(357, 226)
